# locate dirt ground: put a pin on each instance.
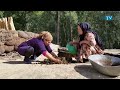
(12, 67)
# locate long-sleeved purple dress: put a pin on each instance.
(37, 44)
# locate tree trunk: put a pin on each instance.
(71, 27)
(55, 32)
(58, 27)
(65, 34)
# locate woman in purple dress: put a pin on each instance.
(37, 46)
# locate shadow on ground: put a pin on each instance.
(22, 62)
(14, 62)
(89, 72)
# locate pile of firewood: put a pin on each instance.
(11, 38)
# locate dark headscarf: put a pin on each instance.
(86, 27)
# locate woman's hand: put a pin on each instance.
(71, 43)
(84, 41)
(55, 60)
(58, 61)
(93, 42)
(61, 61)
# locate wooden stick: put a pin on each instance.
(6, 23)
(11, 24)
(0, 24)
(3, 23)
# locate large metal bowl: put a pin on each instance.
(105, 64)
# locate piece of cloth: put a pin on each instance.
(37, 44)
